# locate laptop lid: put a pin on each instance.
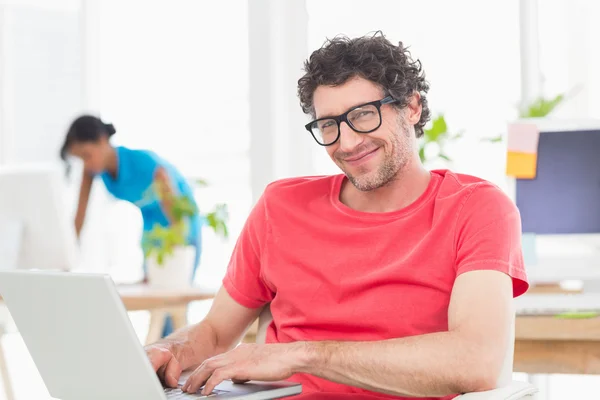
(79, 336)
(84, 346)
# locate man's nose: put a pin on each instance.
(349, 138)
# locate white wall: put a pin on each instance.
(177, 84)
(280, 146)
(40, 76)
(571, 55)
(42, 79)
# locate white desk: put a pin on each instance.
(539, 304)
(546, 344)
(560, 270)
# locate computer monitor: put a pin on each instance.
(33, 207)
(564, 196)
(560, 207)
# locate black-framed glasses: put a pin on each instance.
(364, 118)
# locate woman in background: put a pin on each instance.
(128, 175)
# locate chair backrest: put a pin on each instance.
(265, 318)
(506, 373)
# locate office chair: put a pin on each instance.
(507, 388)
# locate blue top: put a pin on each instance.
(135, 174)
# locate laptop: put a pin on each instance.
(84, 346)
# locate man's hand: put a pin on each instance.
(186, 348)
(164, 364)
(267, 362)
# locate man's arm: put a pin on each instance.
(468, 357)
(222, 329)
(235, 307)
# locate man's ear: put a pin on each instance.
(414, 109)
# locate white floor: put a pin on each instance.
(27, 383)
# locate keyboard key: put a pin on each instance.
(178, 394)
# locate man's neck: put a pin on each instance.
(403, 190)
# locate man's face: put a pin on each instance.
(374, 159)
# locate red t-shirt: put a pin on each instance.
(334, 273)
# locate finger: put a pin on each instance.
(218, 376)
(172, 373)
(197, 379)
(161, 374)
(158, 358)
(203, 372)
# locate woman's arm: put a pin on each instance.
(166, 192)
(84, 195)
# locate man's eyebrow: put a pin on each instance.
(348, 109)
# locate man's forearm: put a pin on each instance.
(436, 364)
(193, 344)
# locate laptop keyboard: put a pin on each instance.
(176, 394)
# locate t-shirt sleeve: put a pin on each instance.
(488, 236)
(244, 281)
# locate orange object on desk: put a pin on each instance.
(521, 165)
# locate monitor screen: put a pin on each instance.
(564, 197)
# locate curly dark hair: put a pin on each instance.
(370, 57)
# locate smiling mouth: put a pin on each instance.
(361, 156)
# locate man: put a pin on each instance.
(388, 280)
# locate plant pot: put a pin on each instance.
(176, 270)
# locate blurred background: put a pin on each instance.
(211, 87)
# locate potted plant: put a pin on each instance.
(432, 145)
(169, 259)
(539, 108)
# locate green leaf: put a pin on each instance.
(201, 182)
(458, 135)
(438, 129)
(161, 241)
(542, 107)
(217, 220)
(182, 207)
(495, 139)
(578, 315)
(437, 133)
(422, 153)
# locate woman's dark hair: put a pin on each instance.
(86, 128)
(370, 57)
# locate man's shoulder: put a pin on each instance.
(301, 187)
(475, 196)
(454, 183)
